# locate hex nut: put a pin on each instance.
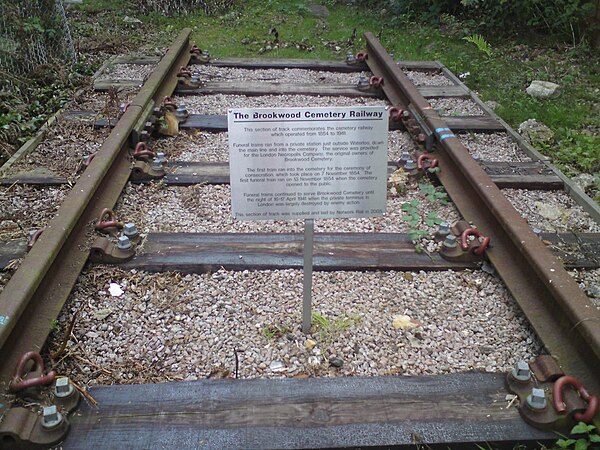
(521, 371)
(63, 387)
(537, 399)
(130, 230)
(123, 243)
(51, 418)
(450, 241)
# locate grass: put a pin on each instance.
(500, 75)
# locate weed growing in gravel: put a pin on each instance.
(589, 439)
(272, 332)
(329, 329)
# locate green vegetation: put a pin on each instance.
(461, 38)
(589, 438)
(329, 329)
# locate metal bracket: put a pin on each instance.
(455, 246)
(143, 171)
(104, 250)
(428, 137)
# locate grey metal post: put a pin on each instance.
(309, 227)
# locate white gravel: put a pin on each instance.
(552, 211)
(419, 78)
(456, 107)
(589, 282)
(207, 209)
(128, 72)
(493, 147)
(172, 327)
(214, 147)
(218, 104)
(294, 76)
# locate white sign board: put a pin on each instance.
(308, 163)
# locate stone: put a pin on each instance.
(535, 132)
(492, 105)
(276, 366)
(584, 181)
(336, 362)
(542, 89)
(310, 344)
(319, 10)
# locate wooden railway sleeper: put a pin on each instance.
(456, 245)
(548, 399)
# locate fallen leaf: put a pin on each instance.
(404, 322)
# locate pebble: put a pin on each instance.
(455, 107)
(493, 147)
(336, 362)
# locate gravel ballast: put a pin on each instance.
(589, 282)
(173, 327)
(207, 209)
(455, 107)
(287, 76)
(492, 147)
(128, 72)
(218, 104)
(551, 211)
(419, 78)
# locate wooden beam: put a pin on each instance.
(482, 124)
(348, 412)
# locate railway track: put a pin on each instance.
(450, 408)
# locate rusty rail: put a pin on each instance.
(37, 291)
(561, 314)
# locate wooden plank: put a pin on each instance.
(38, 176)
(254, 88)
(208, 252)
(483, 124)
(443, 91)
(575, 250)
(137, 60)
(347, 412)
(314, 64)
(105, 84)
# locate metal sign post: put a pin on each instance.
(309, 228)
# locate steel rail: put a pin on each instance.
(559, 311)
(37, 291)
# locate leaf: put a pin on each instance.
(404, 322)
(582, 444)
(594, 437)
(582, 428)
(565, 443)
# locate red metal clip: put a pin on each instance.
(361, 57)
(169, 104)
(141, 152)
(18, 383)
(107, 220)
(376, 81)
(195, 50)
(34, 237)
(426, 157)
(395, 114)
(475, 232)
(559, 405)
(184, 72)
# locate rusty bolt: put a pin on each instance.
(537, 399)
(63, 387)
(450, 241)
(130, 231)
(51, 418)
(521, 371)
(350, 59)
(123, 243)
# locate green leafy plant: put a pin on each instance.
(413, 216)
(54, 326)
(433, 194)
(328, 329)
(481, 43)
(589, 437)
(272, 332)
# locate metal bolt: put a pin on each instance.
(205, 55)
(51, 418)
(476, 156)
(450, 241)
(181, 112)
(195, 79)
(405, 156)
(444, 229)
(160, 156)
(156, 163)
(410, 164)
(537, 399)
(538, 232)
(63, 387)
(363, 82)
(130, 230)
(123, 243)
(350, 59)
(521, 371)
